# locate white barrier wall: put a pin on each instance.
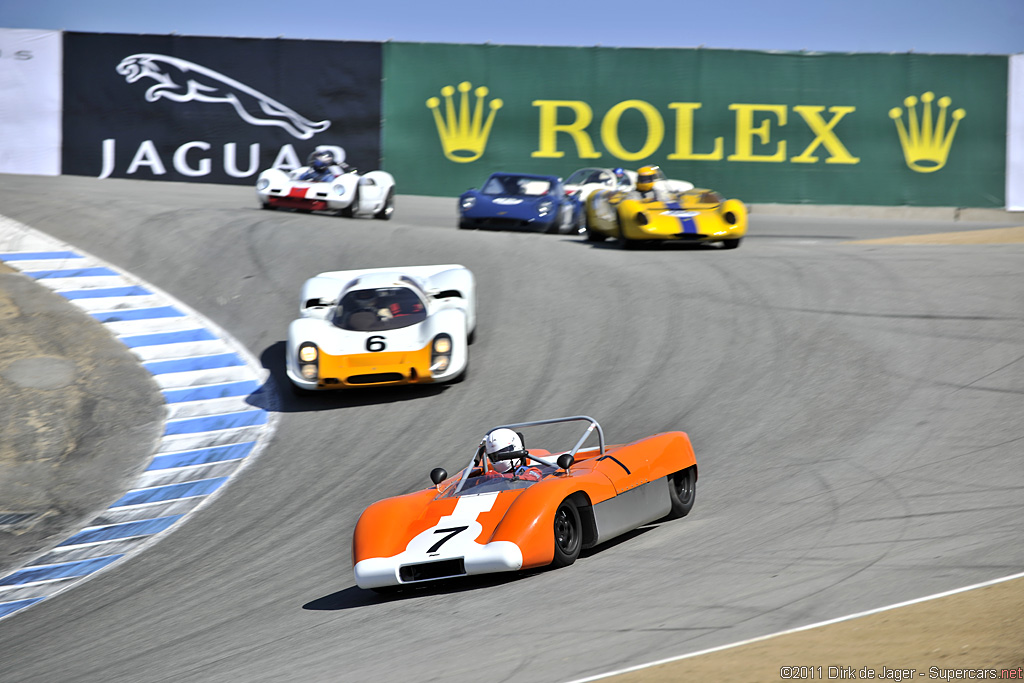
(1015, 136)
(30, 101)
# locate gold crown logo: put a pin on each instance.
(463, 137)
(926, 143)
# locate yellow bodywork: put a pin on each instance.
(697, 215)
(355, 370)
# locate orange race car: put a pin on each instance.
(514, 508)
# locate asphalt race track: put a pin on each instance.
(855, 410)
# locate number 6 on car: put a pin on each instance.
(515, 508)
(382, 326)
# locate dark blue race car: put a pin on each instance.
(519, 201)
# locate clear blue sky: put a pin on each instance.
(929, 26)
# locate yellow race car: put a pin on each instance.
(669, 210)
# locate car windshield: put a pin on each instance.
(492, 481)
(516, 186)
(384, 308)
(524, 467)
(585, 176)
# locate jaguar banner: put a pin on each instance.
(215, 110)
(30, 101)
(880, 129)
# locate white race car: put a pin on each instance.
(326, 184)
(382, 327)
(582, 183)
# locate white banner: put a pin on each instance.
(1015, 136)
(30, 101)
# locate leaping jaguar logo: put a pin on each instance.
(184, 81)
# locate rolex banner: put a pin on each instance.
(215, 110)
(906, 129)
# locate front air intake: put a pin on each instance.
(376, 378)
(432, 570)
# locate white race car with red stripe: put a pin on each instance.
(346, 194)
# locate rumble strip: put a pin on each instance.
(219, 410)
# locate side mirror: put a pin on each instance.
(438, 474)
(565, 461)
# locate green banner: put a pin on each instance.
(905, 129)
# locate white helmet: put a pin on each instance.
(502, 441)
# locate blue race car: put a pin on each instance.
(519, 200)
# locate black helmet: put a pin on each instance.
(320, 159)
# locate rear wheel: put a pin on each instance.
(568, 534)
(389, 207)
(682, 490)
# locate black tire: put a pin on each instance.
(623, 242)
(299, 391)
(568, 534)
(731, 244)
(389, 207)
(466, 225)
(267, 207)
(462, 375)
(592, 235)
(471, 337)
(350, 210)
(682, 490)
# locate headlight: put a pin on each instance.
(262, 184)
(467, 202)
(338, 189)
(544, 208)
(309, 355)
(441, 353)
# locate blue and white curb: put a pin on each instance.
(217, 419)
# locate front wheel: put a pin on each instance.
(350, 210)
(682, 490)
(731, 244)
(568, 534)
(389, 207)
(299, 391)
(624, 242)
